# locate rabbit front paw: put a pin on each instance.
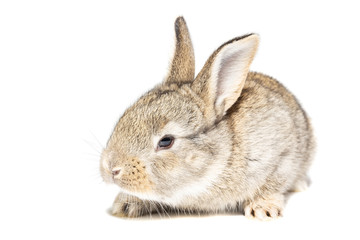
(129, 206)
(265, 208)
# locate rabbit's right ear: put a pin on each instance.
(222, 79)
(182, 67)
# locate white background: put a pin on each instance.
(68, 69)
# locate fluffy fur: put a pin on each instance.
(241, 138)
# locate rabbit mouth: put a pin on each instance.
(134, 184)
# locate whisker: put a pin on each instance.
(92, 146)
(93, 155)
(146, 207)
(150, 208)
(97, 140)
(163, 209)
(97, 177)
(178, 211)
(157, 210)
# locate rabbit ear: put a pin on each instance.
(182, 67)
(221, 80)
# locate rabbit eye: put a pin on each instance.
(165, 142)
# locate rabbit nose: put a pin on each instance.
(115, 171)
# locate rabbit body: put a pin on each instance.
(239, 138)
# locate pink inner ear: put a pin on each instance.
(229, 74)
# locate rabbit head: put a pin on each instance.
(172, 143)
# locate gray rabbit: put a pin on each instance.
(210, 143)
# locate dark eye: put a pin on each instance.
(165, 142)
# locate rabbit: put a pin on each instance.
(225, 140)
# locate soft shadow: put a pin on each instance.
(176, 214)
(163, 213)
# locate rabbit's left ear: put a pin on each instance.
(182, 67)
(222, 79)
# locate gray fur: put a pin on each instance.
(250, 149)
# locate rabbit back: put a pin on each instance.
(273, 143)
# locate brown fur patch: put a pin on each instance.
(134, 176)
